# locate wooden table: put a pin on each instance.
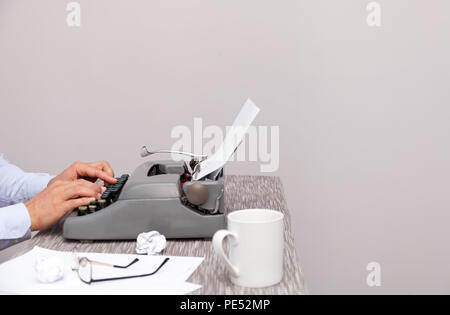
(241, 192)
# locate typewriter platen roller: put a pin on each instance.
(160, 196)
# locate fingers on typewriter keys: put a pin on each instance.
(106, 195)
(110, 195)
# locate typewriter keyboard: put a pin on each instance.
(109, 196)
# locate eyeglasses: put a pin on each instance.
(84, 267)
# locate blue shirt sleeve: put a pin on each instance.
(15, 225)
(16, 187)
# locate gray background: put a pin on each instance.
(363, 112)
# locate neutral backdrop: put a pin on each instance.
(363, 112)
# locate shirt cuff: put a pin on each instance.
(15, 221)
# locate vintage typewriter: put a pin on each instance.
(158, 196)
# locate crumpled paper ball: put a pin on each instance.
(150, 243)
(49, 269)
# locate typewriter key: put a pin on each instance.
(82, 210)
(102, 203)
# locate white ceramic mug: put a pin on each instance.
(255, 249)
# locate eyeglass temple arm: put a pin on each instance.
(115, 266)
(131, 263)
(137, 276)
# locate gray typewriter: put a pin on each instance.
(159, 196)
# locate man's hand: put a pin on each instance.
(89, 171)
(60, 198)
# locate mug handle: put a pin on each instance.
(217, 242)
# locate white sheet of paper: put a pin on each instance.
(214, 164)
(18, 276)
